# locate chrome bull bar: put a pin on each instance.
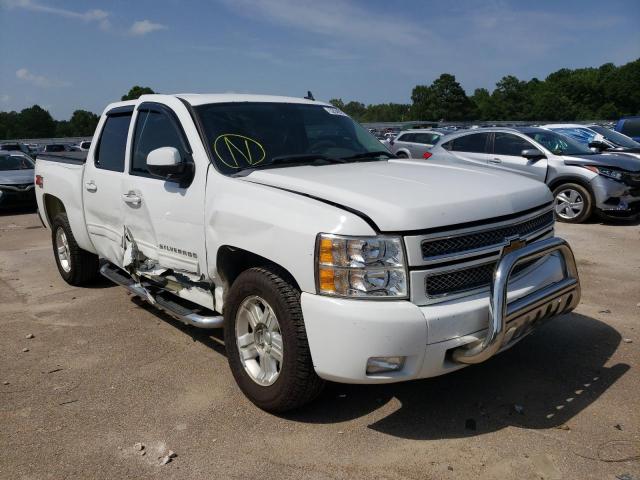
(505, 319)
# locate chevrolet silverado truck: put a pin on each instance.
(321, 255)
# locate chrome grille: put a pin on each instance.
(464, 280)
(487, 238)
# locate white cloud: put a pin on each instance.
(4, 98)
(337, 19)
(96, 15)
(143, 27)
(39, 80)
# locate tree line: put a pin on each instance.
(607, 92)
(604, 93)
(36, 122)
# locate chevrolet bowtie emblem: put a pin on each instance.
(513, 245)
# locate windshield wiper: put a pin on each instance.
(304, 158)
(374, 154)
(292, 160)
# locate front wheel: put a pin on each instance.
(573, 203)
(266, 341)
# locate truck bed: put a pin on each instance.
(64, 157)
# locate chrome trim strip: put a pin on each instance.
(413, 243)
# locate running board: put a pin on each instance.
(161, 300)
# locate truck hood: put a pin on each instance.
(402, 195)
(16, 177)
(618, 160)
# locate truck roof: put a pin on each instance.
(196, 99)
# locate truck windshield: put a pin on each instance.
(615, 137)
(559, 144)
(250, 135)
(14, 162)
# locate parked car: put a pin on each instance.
(324, 258)
(629, 126)
(84, 146)
(414, 143)
(16, 179)
(15, 147)
(55, 148)
(581, 180)
(597, 137)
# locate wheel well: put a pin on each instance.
(52, 206)
(232, 261)
(559, 181)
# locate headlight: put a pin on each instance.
(360, 266)
(606, 172)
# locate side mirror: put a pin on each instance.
(532, 154)
(167, 163)
(598, 145)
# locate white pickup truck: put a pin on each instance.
(322, 256)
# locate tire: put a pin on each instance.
(76, 266)
(572, 203)
(296, 382)
(402, 155)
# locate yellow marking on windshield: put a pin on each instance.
(238, 144)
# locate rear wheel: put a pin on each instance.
(266, 341)
(573, 203)
(402, 155)
(76, 266)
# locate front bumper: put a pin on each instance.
(615, 198)
(11, 195)
(436, 339)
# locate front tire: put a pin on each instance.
(266, 341)
(76, 266)
(572, 202)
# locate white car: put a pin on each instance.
(414, 143)
(284, 222)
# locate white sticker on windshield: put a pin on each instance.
(335, 111)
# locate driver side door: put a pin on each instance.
(163, 218)
(507, 150)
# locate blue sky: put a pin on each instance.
(68, 54)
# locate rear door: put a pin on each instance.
(164, 219)
(471, 148)
(423, 142)
(403, 142)
(102, 185)
(507, 150)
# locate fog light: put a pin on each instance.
(384, 364)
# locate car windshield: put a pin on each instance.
(559, 144)
(14, 162)
(615, 137)
(253, 135)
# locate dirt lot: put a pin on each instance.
(103, 372)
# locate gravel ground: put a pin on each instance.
(104, 372)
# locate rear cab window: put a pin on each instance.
(113, 142)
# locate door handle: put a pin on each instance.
(495, 160)
(131, 198)
(91, 186)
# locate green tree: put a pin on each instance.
(35, 122)
(443, 99)
(481, 100)
(83, 123)
(136, 91)
(355, 110)
(337, 102)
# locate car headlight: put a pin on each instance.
(606, 172)
(360, 267)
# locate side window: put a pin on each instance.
(426, 138)
(474, 143)
(407, 137)
(509, 144)
(154, 129)
(113, 143)
(631, 127)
